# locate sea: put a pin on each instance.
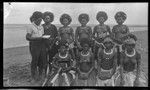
(14, 34)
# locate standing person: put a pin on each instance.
(100, 31)
(34, 36)
(83, 31)
(120, 30)
(86, 72)
(130, 65)
(50, 44)
(106, 63)
(66, 32)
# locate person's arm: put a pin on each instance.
(94, 33)
(115, 61)
(76, 36)
(90, 32)
(121, 69)
(99, 58)
(138, 58)
(30, 38)
(72, 34)
(55, 61)
(108, 30)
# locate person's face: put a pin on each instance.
(63, 50)
(47, 19)
(65, 21)
(120, 20)
(130, 47)
(108, 45)
(85, 47)
(101, 20)
(83, 21)
(38, 21)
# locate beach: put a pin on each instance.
(17, 59)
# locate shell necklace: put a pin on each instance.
(130, 55)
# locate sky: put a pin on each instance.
(19, 13)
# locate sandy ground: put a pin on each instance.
(16, 62)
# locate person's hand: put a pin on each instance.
(136, 82)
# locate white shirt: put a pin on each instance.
(35, 31)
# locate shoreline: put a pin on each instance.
(28, 45)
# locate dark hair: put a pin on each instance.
(50, 14)
(102, 14)
(67, 16)
(120, 14)
(83, 16)
(36, 15)
(62, 43)
(85, 41)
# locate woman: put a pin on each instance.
(36, 46)
(50, 44)
(130, 69)
(86, 73)
(106, 63)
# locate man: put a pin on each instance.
(36, 46)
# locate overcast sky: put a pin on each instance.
(19, 13)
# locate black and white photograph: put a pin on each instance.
(49, 44)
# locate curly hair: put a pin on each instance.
(102, 14)
(67, 16)
(36, 15)
(83, 16)
(85, 41)
(121, 14)
(50, 14)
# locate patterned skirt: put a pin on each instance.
(89, 81)
(129, 78)
(105, 78)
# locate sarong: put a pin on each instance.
(129, 78)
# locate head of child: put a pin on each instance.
(130, 45)
(101, 17)
(48, 17)
(85, 44)
(120, 17)
(63, 47)
(65, 19)
(36, 18)
(83, 19)
(108, 43)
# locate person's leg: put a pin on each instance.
(34, 63)
(92, 78)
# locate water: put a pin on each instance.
(14, 34)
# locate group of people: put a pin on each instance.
(98, 57)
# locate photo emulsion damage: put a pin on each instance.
(75, 44)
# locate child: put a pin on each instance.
(66, 32)
(85, 66)
(130, 71)
(100, 31)
(106, 63)
(83, 31)
(64, 61)
(120, 30)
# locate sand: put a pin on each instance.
(16, 62)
